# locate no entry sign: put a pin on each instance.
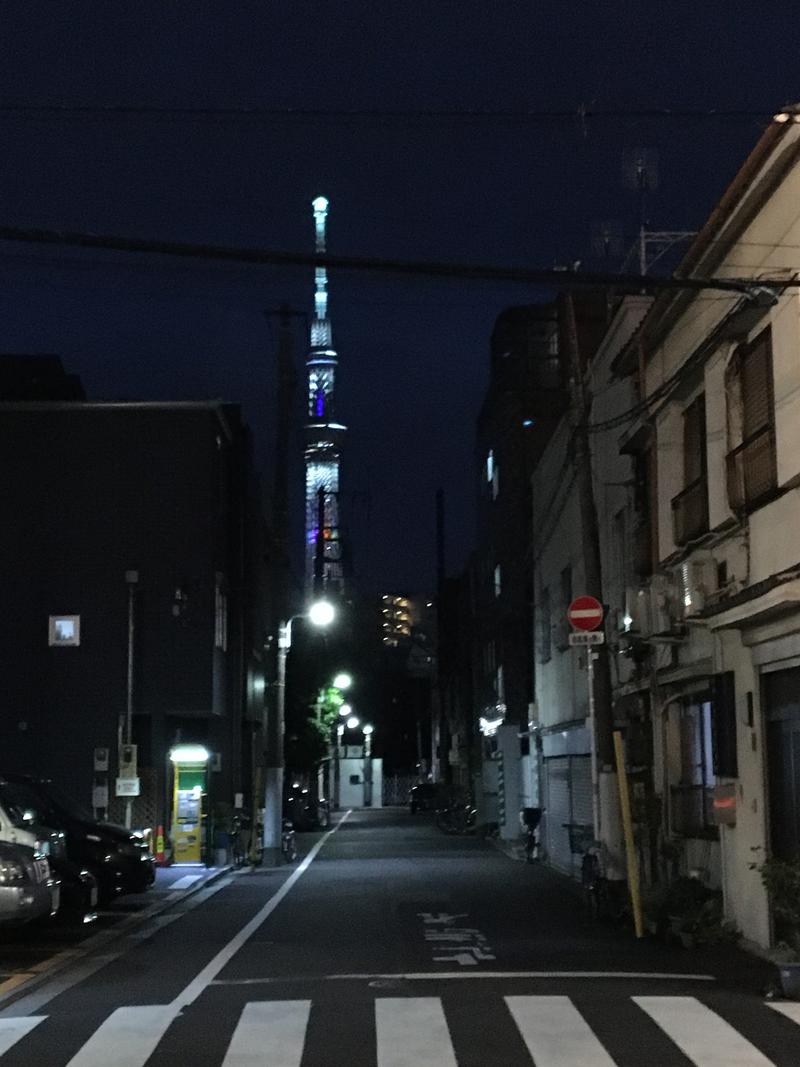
(585, 613)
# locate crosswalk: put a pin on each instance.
(550, 1030)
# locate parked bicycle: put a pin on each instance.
(529, 820)
(602, 898)
(288, 842)
(457, 818)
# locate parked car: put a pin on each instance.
(117, 858)
(426, 796)
(27, 889)
(79, 892)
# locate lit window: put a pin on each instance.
(65, 630)
(498, 588)
(490, 466)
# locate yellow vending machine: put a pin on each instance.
(190, 775)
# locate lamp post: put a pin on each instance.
(368, 730)
(320, 614)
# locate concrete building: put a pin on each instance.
(147, 508)
(718, 435)
(563, 729)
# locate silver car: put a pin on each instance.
(27, 889)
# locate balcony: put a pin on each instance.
(690, 512)
(752, 471)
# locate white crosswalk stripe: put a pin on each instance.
(12, 1030)
(414, 1032)
(707, 1039)
(127, 1038)
(555, 1033)
(270, 1033)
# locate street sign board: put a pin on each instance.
(127, 787)
(585, 613)
(587, 637)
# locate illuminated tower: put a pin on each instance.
(323, 552)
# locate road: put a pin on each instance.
(391, 945)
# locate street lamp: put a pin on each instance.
(346, 711)
(342, 681)
(353, 722)
(320, 614)
(367, 730)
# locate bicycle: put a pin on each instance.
(288, 842)
(529, 819)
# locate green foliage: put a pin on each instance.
(690, 912)
(781, 879)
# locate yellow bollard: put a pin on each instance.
(627, 825)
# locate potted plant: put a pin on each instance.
(781, 879)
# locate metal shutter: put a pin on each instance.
(557, 779)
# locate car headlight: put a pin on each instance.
(11, 872)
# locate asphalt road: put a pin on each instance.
(391, 945)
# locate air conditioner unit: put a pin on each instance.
(698, 583)
(662, 606)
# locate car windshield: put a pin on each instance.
(23, 804)
(65, 804)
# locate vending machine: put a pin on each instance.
(189, 791)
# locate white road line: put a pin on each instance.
(11, 1030)
(555, 1033)
(791, 1009)
(412, 1032)
(185, 882)
(127, 1038)
(227, 952)
(702, 1035)
(269, 1034)
(433, 976)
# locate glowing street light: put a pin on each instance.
(346, 711)
(321, 614)
(342, 681)
(353, 722)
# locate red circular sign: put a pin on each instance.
(585, 613)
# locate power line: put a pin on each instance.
(581, 112)
(536, 276)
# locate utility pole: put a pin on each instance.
(590, 531)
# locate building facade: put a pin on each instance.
(135, 542)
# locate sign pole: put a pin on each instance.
(593, 750)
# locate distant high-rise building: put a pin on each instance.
(323, 549)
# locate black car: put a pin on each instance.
(427, 796)
(118, 859)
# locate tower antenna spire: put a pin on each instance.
(324, 569)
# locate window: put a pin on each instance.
(690, 506)
(545, 649)
(752, 465)
(490, 466)
(692, 797)
(645, 544)
(498, 586)
(64, 630)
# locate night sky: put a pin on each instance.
(508, 191)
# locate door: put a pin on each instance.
(782, 702)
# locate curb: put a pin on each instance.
(63, 960)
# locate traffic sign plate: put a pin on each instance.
(587, 637)
(585, 613)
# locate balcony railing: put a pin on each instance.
(690, 512)
(752, 471)
(692, 811)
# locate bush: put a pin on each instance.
(781, 879)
